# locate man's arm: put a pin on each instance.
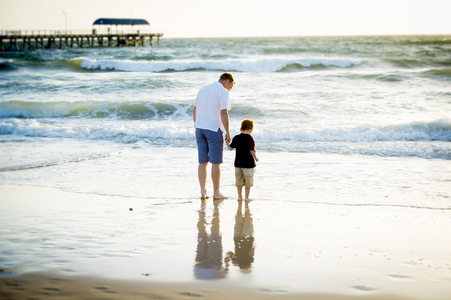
(194, 114)
(225, 122)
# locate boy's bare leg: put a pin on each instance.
(216, 177)
(202, 173)
(240, 192)
(247, 191)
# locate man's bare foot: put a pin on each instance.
(204, 195)
(248, 200)
(220, 197)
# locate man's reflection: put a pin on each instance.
(209, 247)
(244, 239)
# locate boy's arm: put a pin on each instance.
(254, 155)
(228, 146)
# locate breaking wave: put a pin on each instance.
(421, 139)
(92, 109)
(238, 65)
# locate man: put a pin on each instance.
(211, 120)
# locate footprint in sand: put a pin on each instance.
(190, 294)
(363, 288)
(105, 290)
(52, 289)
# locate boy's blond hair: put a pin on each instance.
(247, 124)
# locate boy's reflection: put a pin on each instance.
(244, 239)
(209, 247)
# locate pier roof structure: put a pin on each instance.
(112, 21)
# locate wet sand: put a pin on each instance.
(48, 286)
(58, 244)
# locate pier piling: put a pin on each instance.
(31, 40)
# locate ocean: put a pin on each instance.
(345, 127)
(86, 120)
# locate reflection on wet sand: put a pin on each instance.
(244, 239)
(209, 246)
(209, 253)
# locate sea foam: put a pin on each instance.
(239, 65)
(134, 131)
(427, 140)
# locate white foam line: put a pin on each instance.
(51, 164)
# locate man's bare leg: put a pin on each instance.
(202, 173)
(216, 177)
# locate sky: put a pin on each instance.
(237, 18)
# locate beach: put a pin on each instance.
(99, 194)
(49, 286)
(323, 244)
(96, 247)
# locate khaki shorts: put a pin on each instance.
(244, 177)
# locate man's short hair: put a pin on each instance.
(227, 76)
(247, 124)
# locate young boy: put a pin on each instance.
(245, 158)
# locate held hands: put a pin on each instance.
(228, 145)
(227, 137)
(228, 140)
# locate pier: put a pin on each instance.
(106, 33)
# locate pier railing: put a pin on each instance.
(11, 40)
(32, 33)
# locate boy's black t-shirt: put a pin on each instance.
(243, 143)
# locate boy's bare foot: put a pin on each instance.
(220, 197)
(248, 200)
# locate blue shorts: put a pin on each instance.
(210, 146)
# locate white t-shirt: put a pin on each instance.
(209, 102)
